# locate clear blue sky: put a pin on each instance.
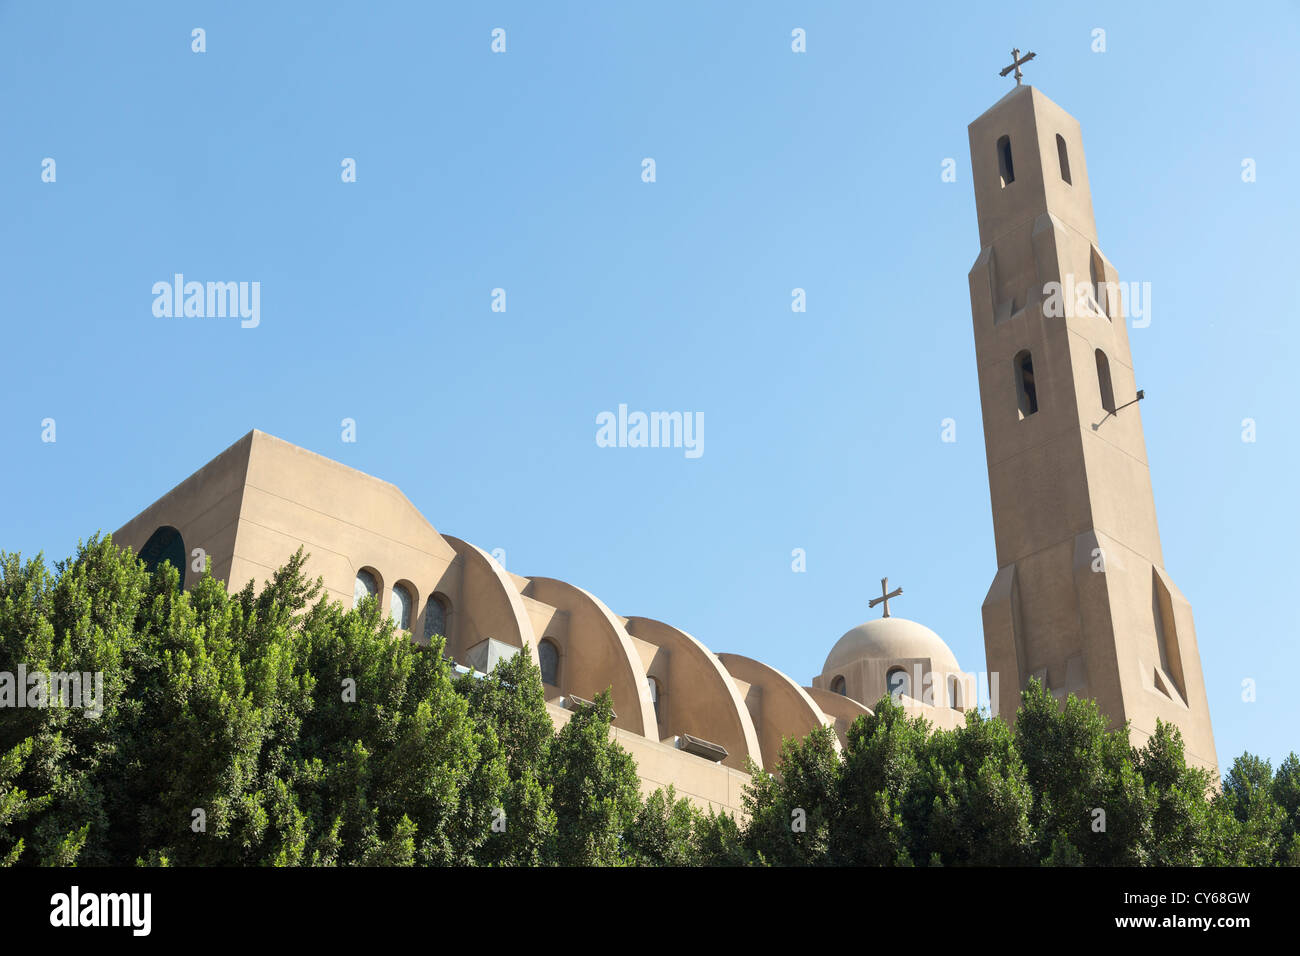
(774, 171)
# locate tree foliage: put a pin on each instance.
(1059, 789)
(276, 728)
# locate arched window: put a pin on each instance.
(435, 616)
(165, 545)
(838, 686)
(548, 655)
(1026, 390)
(1005, 168)
(1103, 382)
(401, 606)
(367, 585)
(654, 694)
(898, 682)
(1064, 157)
(954, 691)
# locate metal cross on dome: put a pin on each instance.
(885, 595)
(1016, 63)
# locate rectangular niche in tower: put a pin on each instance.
(1169, 675)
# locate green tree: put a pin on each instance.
(509, 706)
(1183, 820)
(717, 840)
(595, 790)
(273, 727)
(663, 833)
(245, 729)
(884, 764)
(791, 813)
(1248, 795)
(981, 799)
(1286, 793)
(1090, 804)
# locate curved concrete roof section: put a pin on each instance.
(837, 705)
(845, 710)
(780, 707)
(702, 699)
(489, 598)
(598, 653)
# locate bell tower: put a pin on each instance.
(1081, 598)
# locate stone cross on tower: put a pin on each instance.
(1016, 63)
(885, 595)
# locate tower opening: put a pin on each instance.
(1026, 391)
(1005, 167)
(1103, 382)
(1064, 158)
(1097, 273)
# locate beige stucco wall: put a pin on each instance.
(204, 508)
(706, 784)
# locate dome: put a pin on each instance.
(890, 638)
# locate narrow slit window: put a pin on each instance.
(1103, 382)
(1026, 390)
(1064, 157)
(1005, 167)
(1101, 291)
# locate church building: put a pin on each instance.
(1079, 599)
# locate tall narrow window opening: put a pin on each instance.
(1097, 273)
(1103, 382)
(1064, 157)
(1005, 167)
(1026, 390)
